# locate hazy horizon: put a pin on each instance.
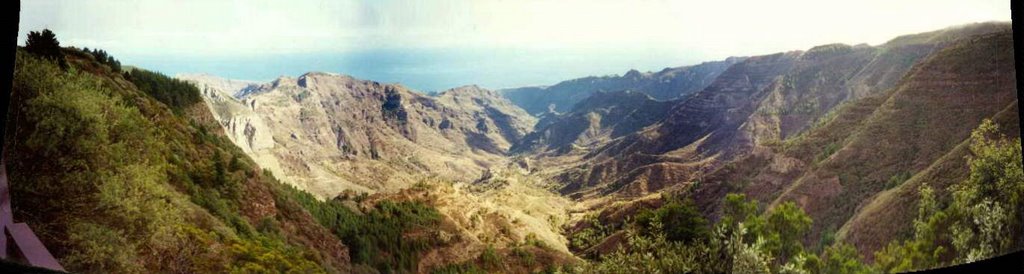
(436, 45)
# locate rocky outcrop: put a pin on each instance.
(327, 133)
(240, 123)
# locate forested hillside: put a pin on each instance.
(128, 172)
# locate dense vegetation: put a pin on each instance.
(671, 239)
(378, 237)
(104, 58)
(175, 93)
(114, 184)
(983, 218)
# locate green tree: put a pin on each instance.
(786, 227)
(45, 44)
(103, 57)
(738, 210)
(984, 218)
(987, 207)
(680, 221)
(174, 93)
(220, 177)
(925, 249)
(844, 259)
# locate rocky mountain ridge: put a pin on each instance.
(667, 84)
(320, 129)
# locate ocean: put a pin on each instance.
(426, 70)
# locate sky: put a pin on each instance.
(432, 45)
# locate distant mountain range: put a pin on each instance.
(667, 84)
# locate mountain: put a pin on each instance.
(847, 171)
(339, 138)
(592, 122)
(667, 84)
(135, 174)
(712, 115)
(329, 133)
(754, 104)
(835, 159)
(925, 118)
(799, 126)
(846, 133)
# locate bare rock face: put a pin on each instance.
(240, 123)
(327, 133)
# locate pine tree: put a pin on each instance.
(45, 44)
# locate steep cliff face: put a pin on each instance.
(239, 121)
(327, 132)
(831, 74)
(857, 171)
(932, 111)
(667, 84)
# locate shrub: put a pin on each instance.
(680, 220)
(490, 259)
(984, 218)
(119, 201)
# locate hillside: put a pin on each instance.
(327, 133)
(340, 138)
(150, 182)
(593, 122)
(926, 117)
(822, 130)
(846, 170)
(634, 164)
(667, 84)
(146, 186)
(756, 103)
(875, 145)
(858, 170)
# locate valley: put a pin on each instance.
(830, 159)
(796, 126)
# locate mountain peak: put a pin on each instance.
(633, 73)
